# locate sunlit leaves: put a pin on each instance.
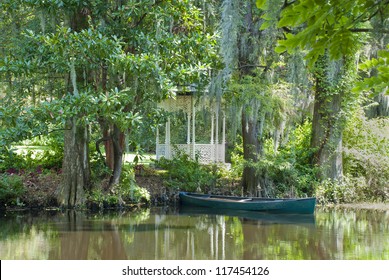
(89, 48)
(321, 25)
(380, 82)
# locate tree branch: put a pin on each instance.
(252, 65)
(361, 30)
(98, 147)
(286, 4)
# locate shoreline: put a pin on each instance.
(377, 206)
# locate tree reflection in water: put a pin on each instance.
(159, 234)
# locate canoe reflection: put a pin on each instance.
(263, 217)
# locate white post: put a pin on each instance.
(212, 159)
(167, 139)
(193, 129)
(224, 138)
(157, 143)
(224, 128)
(217, 135)
(166, 133)
(188, 134)
(188, 130)
(212, 132)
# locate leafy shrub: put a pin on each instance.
(9, 160)
(11, 189)
(186, 174)
(286, 172)
(98, 198)
(366, 156)
(47, 154)
(126, 192)
(237, 161)
(128, 188)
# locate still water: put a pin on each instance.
(169, 234)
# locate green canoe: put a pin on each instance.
(274, 205)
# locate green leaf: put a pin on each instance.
(265, 25)
(287, 21)
(280, 49)
(261, 4)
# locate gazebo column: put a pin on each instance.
(224, 137)
(224, 129)
(167, 140)
(212, 159)
(188, 134)
(212, 128)
(193, 130)
(217, 136)
(157, 143)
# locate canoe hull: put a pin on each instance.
(298, 205)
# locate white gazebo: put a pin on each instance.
(212, 152)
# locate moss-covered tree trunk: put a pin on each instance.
(252, 150)
(330, 108)
(251, 123)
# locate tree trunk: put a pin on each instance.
(109, 147)
(382, 107)
(252, 150)
(251, 123)
(118, 138)
(76, 169)
(328, 122)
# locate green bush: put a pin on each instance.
(9, 160)
(47, 153)
(186, 174)
(128, 188)
(366, 157)
(127, 192)
(286, 172)
(11, 189)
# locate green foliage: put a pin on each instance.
(100, 199)
(126, 193)
(186, 174)
(365, 163)
(366, 156)
(375, 83)
(11, 160)
(128, 188)
(289, 168)
(329, 191)
(237, 161)
(286, 172)
(11, 189)
(324, 25)
(103, 63)
(39, 153)
(350, 190)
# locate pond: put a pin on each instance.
(200, 234)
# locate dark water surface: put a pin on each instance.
(159, 234)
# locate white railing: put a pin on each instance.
(207, 153)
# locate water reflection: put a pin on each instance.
(194, 234)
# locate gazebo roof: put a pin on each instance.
(180, 102)
(183, 100)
